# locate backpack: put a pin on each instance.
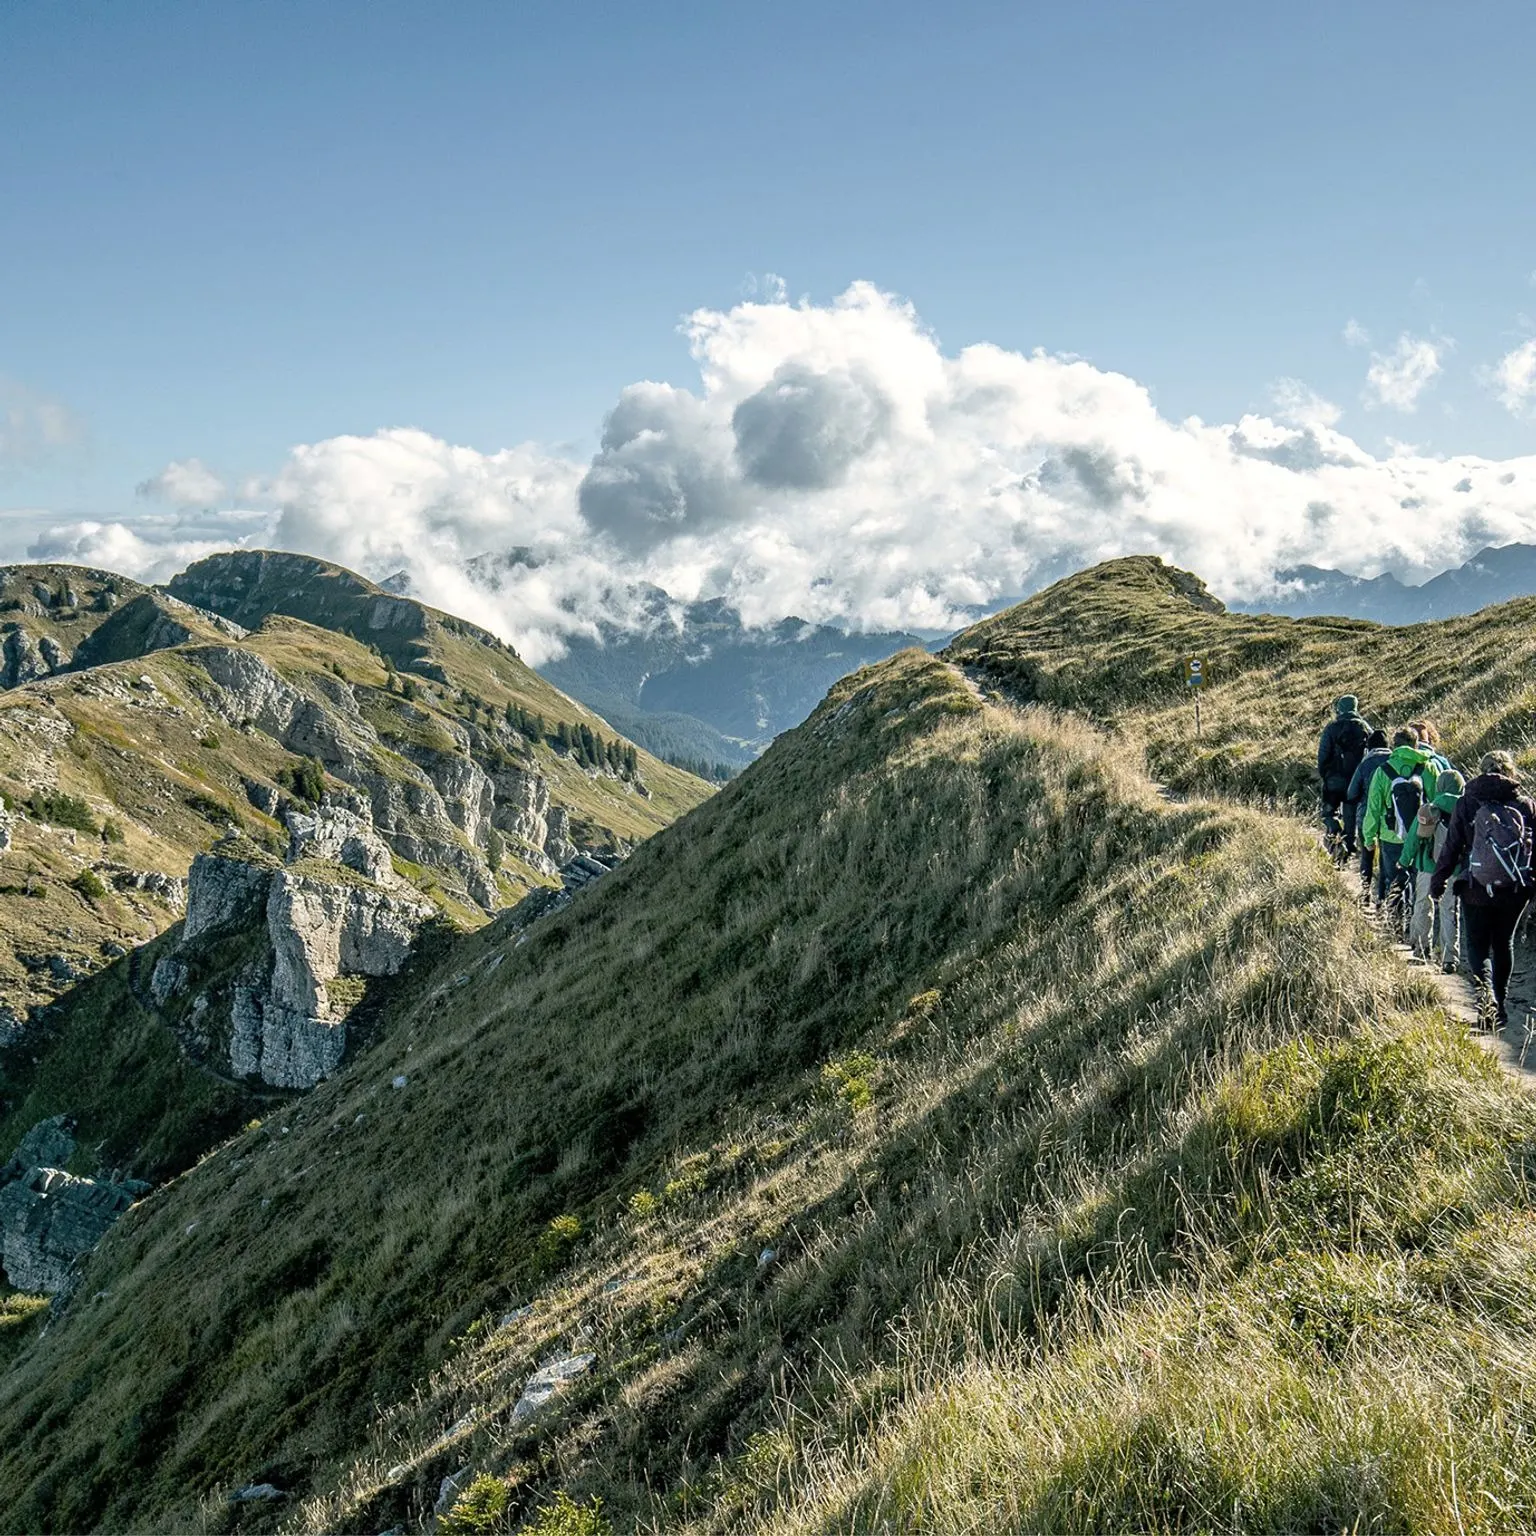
(1406, 796)
(1501, 850)
(1346, 746)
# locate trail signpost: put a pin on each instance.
(1194, 679)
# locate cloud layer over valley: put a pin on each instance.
(833, 461)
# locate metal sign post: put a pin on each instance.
(1194, 678)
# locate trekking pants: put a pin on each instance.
(1338, 814)
(1489, 934)
(1435, 925)
(1387, 855)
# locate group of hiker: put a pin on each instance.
(1446, 857)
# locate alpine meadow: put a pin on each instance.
(989, 1111)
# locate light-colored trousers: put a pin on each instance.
(1433, 927)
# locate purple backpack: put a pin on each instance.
(1501, 850)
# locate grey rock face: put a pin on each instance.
(48, 1219)
(558, 844)
(49, 1144)
(7, 823)
(439, 816)
(285, 1025)
(221, 891)
(54, 656)
(20, 659)
(522, 813)
(342, 836)
(264, 797)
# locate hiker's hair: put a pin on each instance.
(1498, 762)
(1425, 731)
(1377, 738)
(1403, 737)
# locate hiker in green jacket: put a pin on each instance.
(1400, 787)
(1435, 925)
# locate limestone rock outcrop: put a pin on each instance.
(21, 660)
(307, 926)
(49, 1218)
(344, 837)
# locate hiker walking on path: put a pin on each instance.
(1492, 830)
(1435, 925)
(1398, 788)
(1339, 751)
(1376, 750)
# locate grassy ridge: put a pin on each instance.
(1114, 1176)
(1110, 643)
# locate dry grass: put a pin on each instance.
(1115, 1176)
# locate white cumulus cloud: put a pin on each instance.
(1397, 378)
(1514, 378)
(836, 462)
(1300, 406)
(184, 483)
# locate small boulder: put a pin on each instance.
(547, 1381)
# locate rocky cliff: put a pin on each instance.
(50, 1218)
(272, 956)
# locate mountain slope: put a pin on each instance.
(47, 611)
(173, 731)
(939, 1128)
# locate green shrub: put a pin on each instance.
(495, 850)
(565, 1517)
(112, 831)
(304, 777)
(556, 1241)
(90, 885)
(482, 1507)
(210, 740)
(847, 1082)
(207, 807)
(643, 1204)
(61, 810)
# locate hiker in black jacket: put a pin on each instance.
(1339, 751)
(1492, 829)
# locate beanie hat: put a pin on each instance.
(1448, 788)
(1377, 738)
(1346, 704)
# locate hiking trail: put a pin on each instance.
(1514, 1047)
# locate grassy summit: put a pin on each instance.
(1110, 643)
(938, 1129)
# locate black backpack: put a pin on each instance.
(1346, 746)
(1407, 795)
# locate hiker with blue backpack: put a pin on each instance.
(1494, 830)
(1376, 752)
(1399, 786)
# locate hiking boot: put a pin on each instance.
(1487, 1009)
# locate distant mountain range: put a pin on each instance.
(690, 682)
(1494, 575)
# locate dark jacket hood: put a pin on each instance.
(1492, 788)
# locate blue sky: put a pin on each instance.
(233, 228)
